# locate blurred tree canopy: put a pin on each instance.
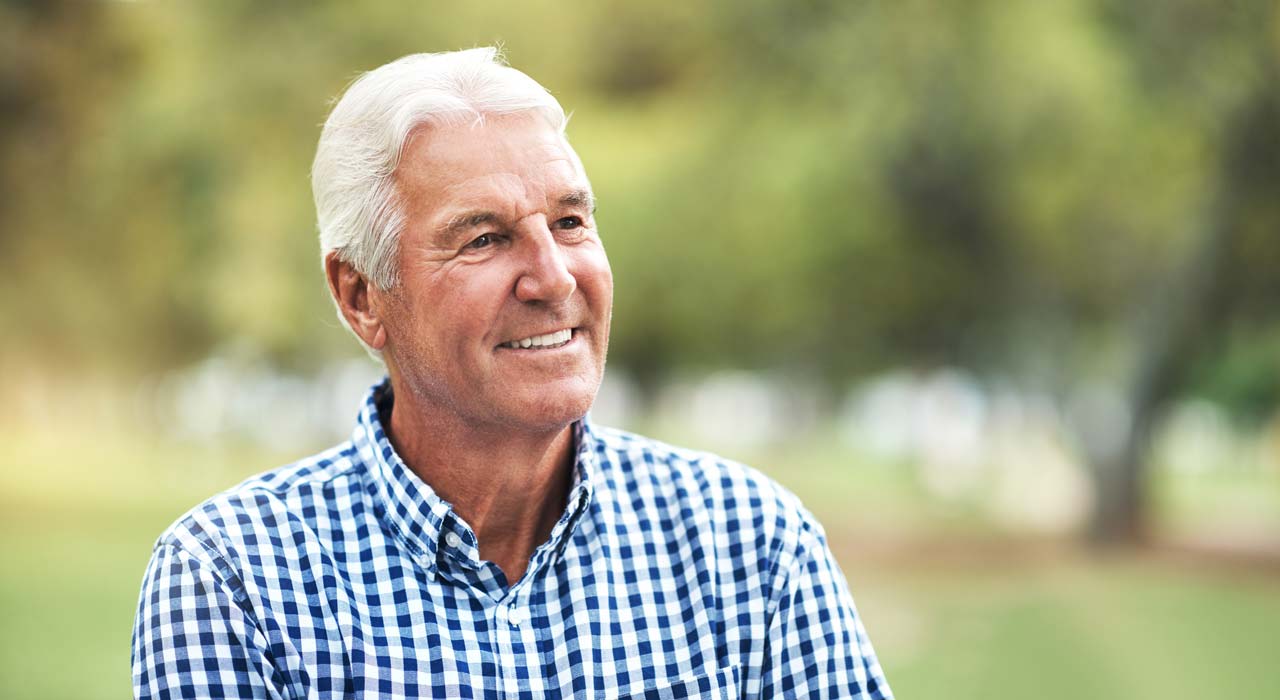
(1062, 193)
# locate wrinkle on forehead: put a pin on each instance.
(434, 146)
(536, 188)
(510, 167)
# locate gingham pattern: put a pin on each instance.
(671, 574)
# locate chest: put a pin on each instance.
(591, 623)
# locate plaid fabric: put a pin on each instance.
(671, 574)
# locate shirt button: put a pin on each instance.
(514, 617)
(452, 539)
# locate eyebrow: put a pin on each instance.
(580, 199)
(466, 220)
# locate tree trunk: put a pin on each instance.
(1168, 334)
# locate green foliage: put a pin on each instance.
(824, 186)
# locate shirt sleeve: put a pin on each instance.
(817, 647)
(192, 639)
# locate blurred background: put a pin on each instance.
(991, 285)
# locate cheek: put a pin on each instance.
(597, 277)
(475, 297)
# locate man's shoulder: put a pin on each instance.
(268, 505)
(699, 484)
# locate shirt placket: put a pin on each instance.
(508, 621)
(513, 641)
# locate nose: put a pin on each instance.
(546, 276)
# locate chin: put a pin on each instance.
(554, 410)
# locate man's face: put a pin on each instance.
(501, 318)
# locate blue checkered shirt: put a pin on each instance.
(671, 574)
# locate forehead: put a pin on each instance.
(509, 164)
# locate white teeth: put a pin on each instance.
(541, 341)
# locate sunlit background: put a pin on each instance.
(991, 285)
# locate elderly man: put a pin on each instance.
(477, 536)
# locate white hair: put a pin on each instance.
(352, 178)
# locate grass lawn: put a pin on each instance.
(1069, 625)
(971, 616)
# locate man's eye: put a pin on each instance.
(482, 241)
(569, 222)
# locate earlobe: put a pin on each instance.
(351, 292)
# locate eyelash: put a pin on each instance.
(481, 241)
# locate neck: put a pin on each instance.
(509, 486)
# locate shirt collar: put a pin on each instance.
(420, 518)
(404, 501)
(586, 467)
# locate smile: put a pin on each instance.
(548, 340)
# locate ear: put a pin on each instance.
(351, 291)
